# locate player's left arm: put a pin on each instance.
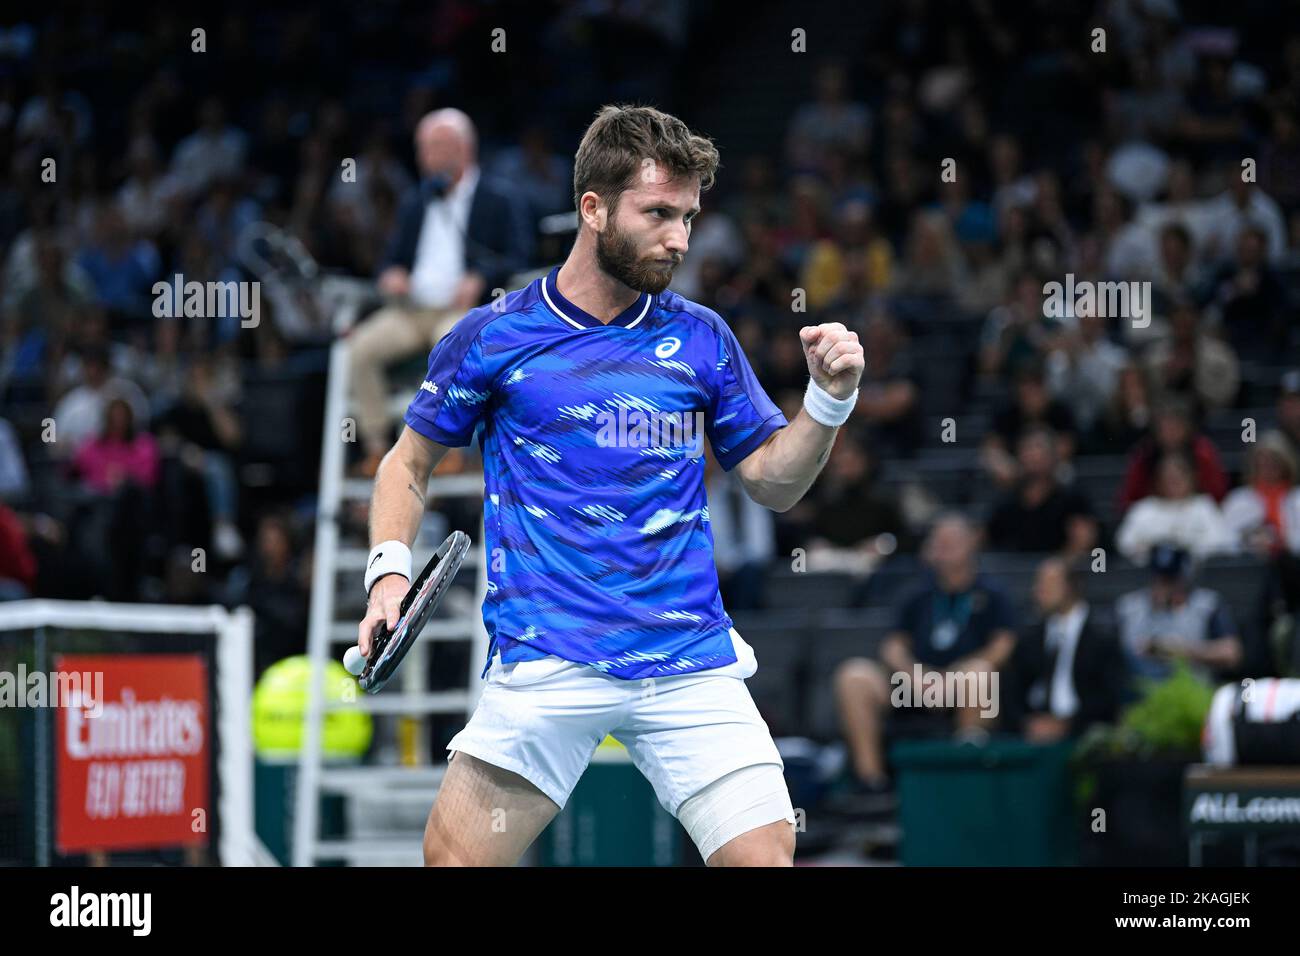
(781, 470)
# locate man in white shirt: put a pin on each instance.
(458, 236)
(1068, 671)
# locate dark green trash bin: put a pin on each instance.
(275, 795)
(1005, 803)
(613, 818)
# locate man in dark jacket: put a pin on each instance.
(1068, 670)
(459, 235)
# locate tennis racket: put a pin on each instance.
(389, 647)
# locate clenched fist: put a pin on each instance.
(835, 359)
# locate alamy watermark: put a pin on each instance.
(974, 688)
(1121, 300)
(80, 689)
(635, 428)
(210, 300)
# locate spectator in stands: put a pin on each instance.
(1126, 419)
(1017, 333)
(888, 413)
(460, 235)
(785, 369)
(275, 584)
(1123, 249)
(1068, 670)
(1288, 407)
(214, 150)
(1252, 301)
(1040, 514)
(832, 121)
(46, 294)
(1170, 620)
(1279, 161)
(146, 197)
(853, 265)
(849, 523)
(15, 482)
(1083, 368)
(1242, 208)
(376, 166)
(1192, 363)
(219, 221)
(932, 264)
(1032, 405)
(803, 225)
(79, 415)
(542, 173)
(1173, 432)
(17, 562)
(204, 432)
(744, 537)
(959, 620)
(123, 269)
(118, 469)
(161, 368)
(1264, 513)
(1175, 513)
(1011, 187)
(118, 453)
(1178, 277)
(988, 277)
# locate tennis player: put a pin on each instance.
(602, 598)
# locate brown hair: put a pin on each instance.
(620, 138)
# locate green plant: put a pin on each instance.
(1165, 722)
(1170, 715)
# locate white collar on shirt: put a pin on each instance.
(1065, 699)
(459, 196)
(1069, 623)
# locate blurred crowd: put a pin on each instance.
(936, 177)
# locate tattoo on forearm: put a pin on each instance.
(416, 491)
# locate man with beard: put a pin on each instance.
(604, 611)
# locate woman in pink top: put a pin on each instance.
(118, 453)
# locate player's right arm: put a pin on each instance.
(396, 507)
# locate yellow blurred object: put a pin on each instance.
(609, 743)
(410, 741)
(280, 700)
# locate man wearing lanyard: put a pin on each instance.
(958, 621)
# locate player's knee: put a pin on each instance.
(771, 845)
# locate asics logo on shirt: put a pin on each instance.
(668, 347)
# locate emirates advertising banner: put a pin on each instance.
(132, 765)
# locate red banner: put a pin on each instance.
(132, 752)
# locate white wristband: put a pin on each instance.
(387, 557)
(825, 408)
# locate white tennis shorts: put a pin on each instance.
(544, 719)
